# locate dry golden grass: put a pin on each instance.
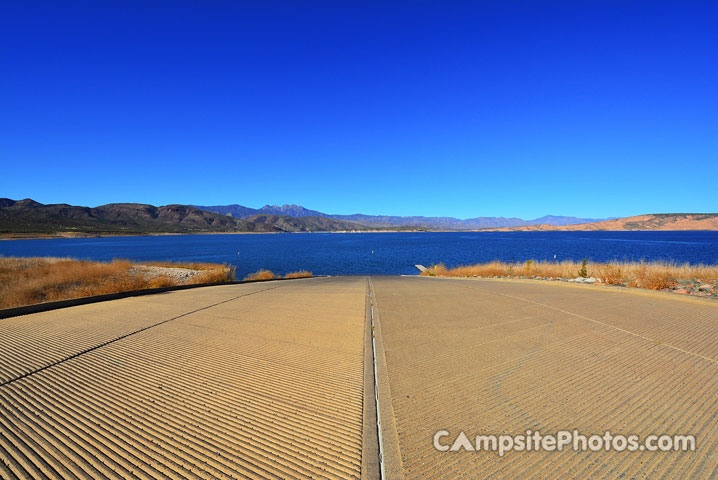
(26, 281)
(653, 275)
(299, 274)
(261, 275)
(216, 275)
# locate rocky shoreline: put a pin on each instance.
(695, 287)
(176, 273)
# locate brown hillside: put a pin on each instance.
(659, 221)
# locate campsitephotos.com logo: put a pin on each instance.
(561, 440)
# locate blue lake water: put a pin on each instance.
(379, 253)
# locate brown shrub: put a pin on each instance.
(299, 274)
(216, 275)
(260, 275)
(610, 273)
(657, 280)
(161, 281)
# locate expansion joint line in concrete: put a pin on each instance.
(116, 339)
(376, 387)
(391, 462)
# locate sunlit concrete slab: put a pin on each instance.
(245, 381)
(500, 357)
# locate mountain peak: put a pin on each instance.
(28, 202)
(290, 210)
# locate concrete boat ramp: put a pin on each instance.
(282, 380)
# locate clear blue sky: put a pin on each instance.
(493, 108)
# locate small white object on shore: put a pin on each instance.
(583, 280)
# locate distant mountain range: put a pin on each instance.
(30, 217)
(446, 223)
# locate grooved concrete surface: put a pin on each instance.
(269, 380)
(501, 357)
(245, 381)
